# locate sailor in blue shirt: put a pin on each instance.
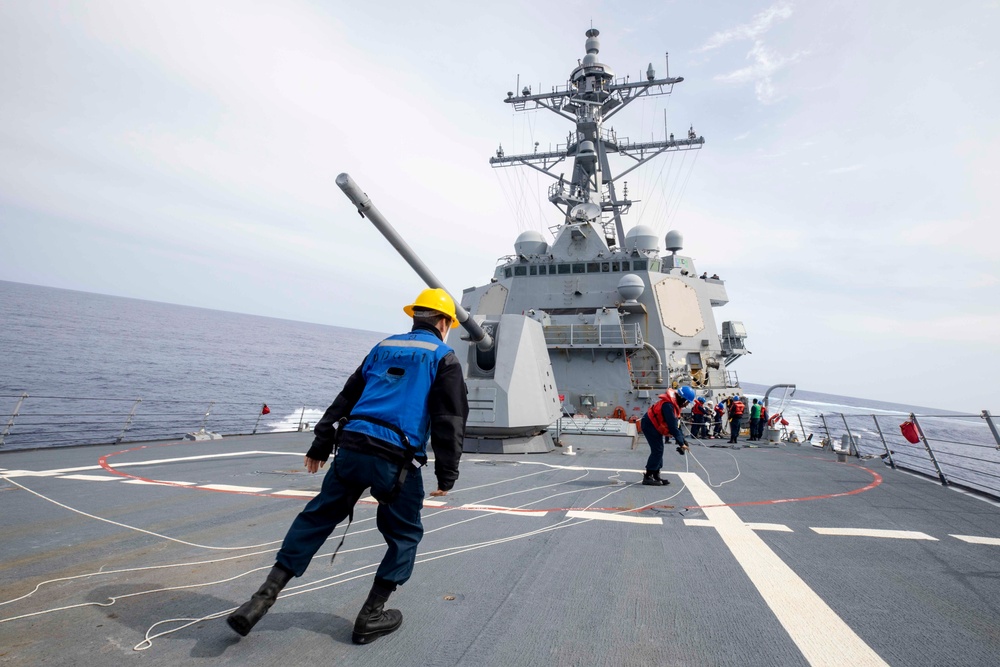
(408, 390)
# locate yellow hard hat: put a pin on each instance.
(434, 299)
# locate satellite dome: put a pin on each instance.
(531, 242)
(630, 287)
(675, 240)
(641, 237)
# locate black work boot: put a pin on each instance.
(656, 476)
(243, 619)
(374, 621)
(651, 479)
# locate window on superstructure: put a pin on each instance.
(506, 272)
(532, 270)
(639, 265)
(579, 268)
(541, 270)
(563, 268)
(520, 270)
(594, 267)
(605, 267)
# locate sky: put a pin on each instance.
(848, 191)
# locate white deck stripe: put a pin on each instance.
(972, 539)
(240, 489)
(434, 503)
(823, 637)
(93, 478)
(504, 510)
(157, 483)
(180, 459)
(28, 473)
(875, 532)
(753, 526)
(296, 492)
(605, 516)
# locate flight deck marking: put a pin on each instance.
(496, 509)
(236, 489)
(91, 478)
(820, 634)
(972, 539)
(875, 532)
(753, 526)
(602, 516)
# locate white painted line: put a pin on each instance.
(875, 532)
(296, 492)
(605, 516)
(504, 510)
(238, 489)
(434, 503)
(28, 473)
(93, 478)
(972, 539)
(180, 459)
(823, 637)
(157, 482)
(753, 526)
(368, 499)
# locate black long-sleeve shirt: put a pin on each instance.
(447, 404)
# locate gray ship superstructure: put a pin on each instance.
(621, 320)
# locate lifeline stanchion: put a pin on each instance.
(930, 453)
(887, 452)
(827, 429)
(128, 420)
(17, 410)
(985, 415)
(850, 439)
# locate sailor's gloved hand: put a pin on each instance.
(681, 449)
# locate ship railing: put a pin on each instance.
(593, 336)
(961, 450)
(53, 421)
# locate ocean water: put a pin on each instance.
(86, 359)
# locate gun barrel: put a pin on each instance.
(367, 210)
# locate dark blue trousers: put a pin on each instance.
(734, 429)
(655, 440)
(350, 474)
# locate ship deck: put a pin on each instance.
(133, 554)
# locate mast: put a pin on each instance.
(591, 96)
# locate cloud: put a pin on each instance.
(757, 27)
(765, 63)
(950, 329)
(844, 170)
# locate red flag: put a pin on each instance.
(266, 410)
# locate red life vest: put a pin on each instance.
(655, 413)
(738, 408)
(698, 408)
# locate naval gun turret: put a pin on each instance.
(512, 393)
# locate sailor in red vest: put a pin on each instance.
(719, 412)
(699, 418)
(736, 409)
(660, 420)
